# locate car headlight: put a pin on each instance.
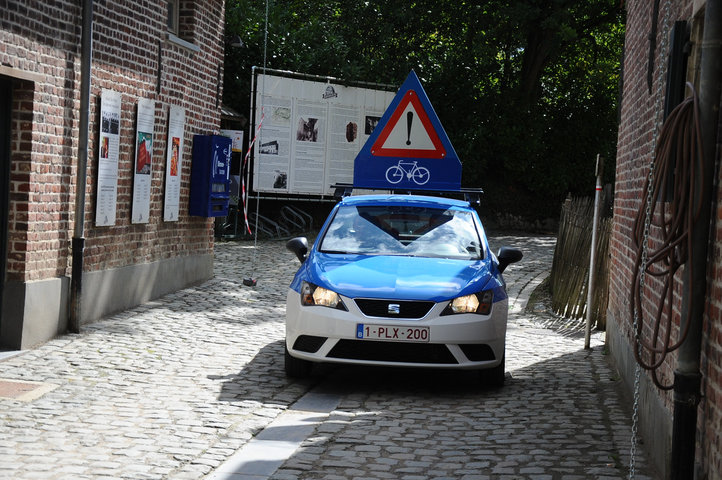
(315, 295)
(475, 303)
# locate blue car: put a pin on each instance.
(399, 280)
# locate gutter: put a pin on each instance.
(78, 242)
(687, 376)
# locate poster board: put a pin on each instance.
(237, 137)
(174, 163)
(311, 130)
(143, 167)
(107, 196)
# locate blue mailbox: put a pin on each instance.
(210, 176)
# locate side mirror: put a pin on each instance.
(508, 255)
(299, 246)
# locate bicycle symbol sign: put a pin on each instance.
(409, 148)
(410, 170)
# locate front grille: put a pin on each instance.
(393, 352)
(477, 352)
(308, 343)
(380, 308)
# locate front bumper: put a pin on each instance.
(463, 341)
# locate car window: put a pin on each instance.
(403, 230)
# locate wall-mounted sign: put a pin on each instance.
(174, 163)
(107, 195)
(237, 137)
(143, 167)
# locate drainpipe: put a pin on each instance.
(687, 376)
(78, 243)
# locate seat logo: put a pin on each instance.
(394, 309)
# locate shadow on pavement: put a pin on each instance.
(564, 411)
(563, 415)
(263, 380)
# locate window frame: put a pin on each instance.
(173, 17)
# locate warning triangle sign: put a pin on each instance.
(409, 132)
(409, 148)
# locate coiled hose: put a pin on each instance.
(678, 152)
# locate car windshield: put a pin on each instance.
(403, 230)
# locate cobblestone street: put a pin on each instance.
(192, 386)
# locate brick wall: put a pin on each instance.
(635, 144)
(634, 150)
(33, 38)
(133, 56)
(21, 146)
(710, 421)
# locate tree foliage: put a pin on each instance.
(527, 90)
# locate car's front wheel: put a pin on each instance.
(296, 367)
(493, 377)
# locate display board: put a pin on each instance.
(143, 170)
(110, 102)
(309, 131)
(174, 162)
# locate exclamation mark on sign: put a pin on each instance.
(409, 121)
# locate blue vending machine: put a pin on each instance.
(210, 176)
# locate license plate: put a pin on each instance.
(397, 333)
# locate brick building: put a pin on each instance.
(169, 53)
(680, 29)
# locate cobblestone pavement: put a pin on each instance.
(176, 388)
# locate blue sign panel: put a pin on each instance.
(409, 148)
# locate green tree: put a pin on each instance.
(526, 89)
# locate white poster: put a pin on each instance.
(311, 132)
(343, 143)
(142, 171)
(309, 157)
(107, 195)
(237, 137)
(174, 163)
(273, 147)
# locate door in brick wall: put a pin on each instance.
(5, 126)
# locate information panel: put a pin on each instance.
(310, 132)
(143, 170)
(108, 158)
(174, 163)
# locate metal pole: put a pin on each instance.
(78, 242)
(6, 93)
(593, 254)
(687, 376)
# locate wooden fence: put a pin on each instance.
(569, 277)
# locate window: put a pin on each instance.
(173, 8)
(181, 24)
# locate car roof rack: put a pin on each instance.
(471, 195)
